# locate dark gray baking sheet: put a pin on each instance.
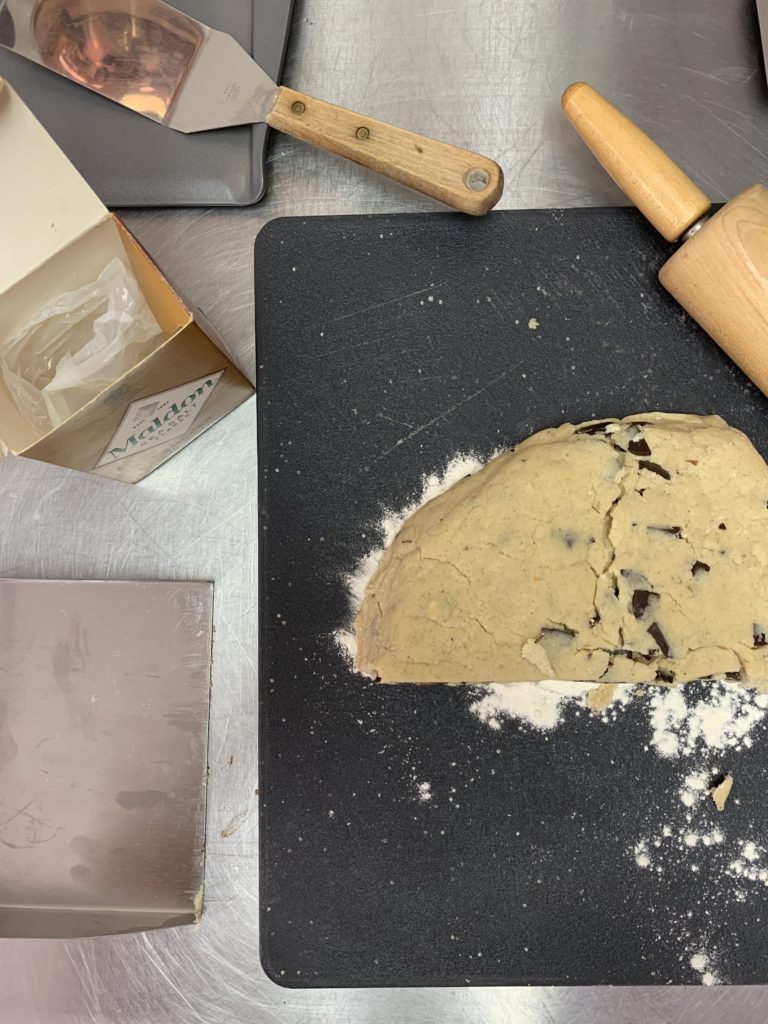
(385, 346)
(130, 161)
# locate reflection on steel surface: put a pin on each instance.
(133, 51)
(103, 736)
(144, 55)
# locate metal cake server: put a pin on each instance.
(162, 64)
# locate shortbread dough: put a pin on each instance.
(631, 550)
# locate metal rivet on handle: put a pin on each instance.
(298, 107)
(362, 133)
(476, 179)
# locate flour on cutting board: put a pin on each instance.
(544, 704)
(432, 485)
(699, 730)
(683, 836)
(536, 704)
(722, 719)
(702, 731)
(425, 792)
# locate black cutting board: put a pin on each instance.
(386, 344)
(131, 161)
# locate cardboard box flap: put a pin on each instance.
(45, 204)
(55, 237)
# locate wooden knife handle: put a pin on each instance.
(654, 183)
(457, 177)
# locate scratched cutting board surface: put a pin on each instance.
(404, 841)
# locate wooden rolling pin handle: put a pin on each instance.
(643, 171)
(457, 177)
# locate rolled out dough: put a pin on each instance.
(629, 550)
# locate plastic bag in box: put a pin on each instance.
(78, 346)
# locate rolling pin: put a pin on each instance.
(720, 272)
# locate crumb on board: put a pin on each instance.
(721, 792)
(533, 323)
(601, 697)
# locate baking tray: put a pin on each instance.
(385, 346)
(130, 161)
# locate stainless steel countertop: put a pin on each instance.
(485, 74)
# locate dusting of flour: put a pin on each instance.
(540, 705)
(722, 719)
(432, 485)
(425, 792)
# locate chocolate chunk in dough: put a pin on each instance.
(654, 467)
(655, 630)
(641, 599)
(639, 447)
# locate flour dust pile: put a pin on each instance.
(386, 530)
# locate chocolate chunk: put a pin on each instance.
(654, 467)
(643, 659)
(722, 526)
(664, 677)
(759, 636)
(660, 639)
(639, 447)
(568, 538)
(733, 675)
(698, 567)
(595, 428)
(594, 619)
(641, 491)
(640, 601)
(673, 531)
